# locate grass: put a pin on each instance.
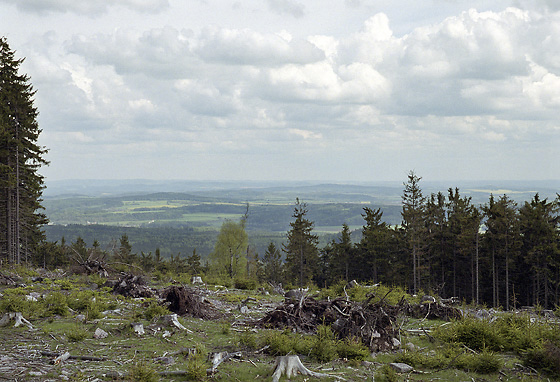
(450, 357)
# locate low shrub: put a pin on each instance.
(485, 362)
(245, 284)
(77, 334)
(386, 374)
(196, 364)
(56, 304)
(352, 349)
(142, 372)
(545, 357)
(474, 333)
(155, 310)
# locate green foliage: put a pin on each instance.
(248, 339)
(230, 252)
(155, 310)
(14, 300)
(56, 304)
(474, 333)
(324, 346)
(142, 372)
(352, 349)
(245, 283)
(77, 334)
(386, 374)
(485, 362)
(545, 357)
(196, 364)
(64, 284)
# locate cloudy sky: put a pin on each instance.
(338, 90)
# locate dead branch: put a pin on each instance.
(66, 355)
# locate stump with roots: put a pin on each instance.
(291, 365)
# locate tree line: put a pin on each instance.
(498, 253)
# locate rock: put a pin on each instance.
(197, 280)
(81, 317)
(100, 334)
(243, 309)
(400, 367)
(411, 347)
(396, 342)
(138, 328)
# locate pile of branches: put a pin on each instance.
(130, 285)
(374, 323)
(189, 301)
(431, 311)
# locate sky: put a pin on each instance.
(329, 90)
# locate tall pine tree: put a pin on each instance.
(21, 186)
(302, 254)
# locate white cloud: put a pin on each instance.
(87, 7)
(289, 7)
(472, 82)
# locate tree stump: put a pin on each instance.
(291, 365)
(17, 317)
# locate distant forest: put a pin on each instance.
(500, 252)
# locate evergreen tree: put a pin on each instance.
(539, 225)
(501, 243)
(21, 186)
(413, 222)
(302, 254)
(272, 264)
(375, 248)
(194, 267)
(341, 255)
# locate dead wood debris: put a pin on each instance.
(130, 285)
(291, 365)
(374, 323)
(189, 301)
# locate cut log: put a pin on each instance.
(291, 365)
(17, 317)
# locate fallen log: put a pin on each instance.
(291, 365)
(66, 355)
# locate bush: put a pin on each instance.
(545, 358)
(141, 372)
(14, 300)
(471, 332)
(155, 310)
(196, 365)
(245, 284)
(385, 374)
(77, 334)
(485, 362)
(352, 348)
(56, 304)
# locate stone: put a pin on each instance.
(400, 367)
(100, 334)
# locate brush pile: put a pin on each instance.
(374, 323)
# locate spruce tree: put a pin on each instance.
(413, 221)
(302, 254)
(21, 186)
